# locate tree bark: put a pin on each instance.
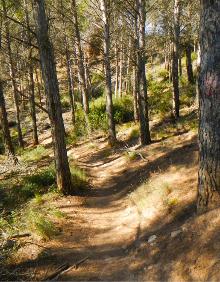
(135, 94)
(141, 75)
(120, 69)
(12, 72)
(189, 67)
(69, 70)
(53, 99)
(31, 78)
(39, 88)
(175, 64)
(108, 79)
(4, 122)
(116, 70)
(209, 100)
(80, 60)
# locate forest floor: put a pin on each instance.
(135, 221)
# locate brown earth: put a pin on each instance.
(128, 202)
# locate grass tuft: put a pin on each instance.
(34, 155)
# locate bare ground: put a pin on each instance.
(128, 202)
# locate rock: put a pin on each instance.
(152, 238)
(175, 233)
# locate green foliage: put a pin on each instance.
(43, 178)
(98, 84)
(97, 115)
(188, 92)
(167, 129)
(163, 74)
(171, 204)
(194, 56)
(80, 126)
(36, 184)
(122, 108)
(37, 222)
(79, 177)
(36, 154)
(65, 103)
(71, 137)
(131, 155)
(160, 97)
(135, 133)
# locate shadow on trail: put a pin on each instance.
(114, 262)
(127, 181)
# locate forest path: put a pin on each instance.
(107, 224)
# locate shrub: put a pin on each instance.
(38, 222)
(135, 133)
(160, 98)
(122, 109)
(71, 137)
(36, 154)
(163, 74)
(65, 103)
(79, 177)
(131, 155)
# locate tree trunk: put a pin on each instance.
(189, 67)
(108, 80)
(80, 60)
(116, 70)
(141, 75)
(175, 65)
(12, 73)
(135, 94)
(70, 84)
(32, 105)
(69, 69)
(180, 66)
(53, 99)
(4, 122)
(209, 100)
(120, 69)
(38, 87)
(31, 78)
(128, 78)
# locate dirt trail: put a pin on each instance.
(108, 224)
(128, 202)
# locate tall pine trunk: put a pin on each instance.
(69, 69)
(108, 79)
(135, 94)
(80, 60)
(9, 149)
(189, 67)
(141, 74)
(209, 100)
(31, 79)
(175, 64)
(116, 70)
(13, 79)
(53, 99)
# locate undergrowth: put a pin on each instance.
(33, 154)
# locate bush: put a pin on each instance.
(122, 108)
(160, 98)
(37, 184)
(79, 177)
(188, 92)
(163, 74)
